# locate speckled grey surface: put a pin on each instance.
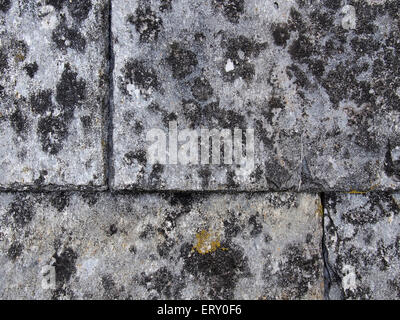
(317, 82)
(362, 237)
(82, 82)
(53, 93)
(175, 246)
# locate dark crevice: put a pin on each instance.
(325, 257)
(110, 105)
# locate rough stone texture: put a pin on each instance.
(362, 237)
(53, 93)
(169, 246)
(317, 82)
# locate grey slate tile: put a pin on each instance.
(53, 94)
(362, 238)
(160, 246)
(317, 82)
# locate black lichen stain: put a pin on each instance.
(201, 89)
(70, 91)
(18, 122)
(256, 225)
(15, 251)
(181, 60)
(110, 288)
(58, 4)
(391, 167)
(3, 60)
(205, 176)
(20, 212)
(280, 34)
(86, 123)
(165, 5)
(91, 198)
(155, 175)
(139, 156)
(53, 131)
(79, 9)
(232, 9)
(274, 104)
(64, 266)
(147, 24)
(5, 5)
(239, 52)
(31, 69)
(298, 272)
(164, 282)
(220, 270)
(138, 73)
(65, 37)
(41, 102)
(301, 48)
(60, 200)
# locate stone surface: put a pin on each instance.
(53, 93)
(362, 237)
(152, 246)
(317, 82)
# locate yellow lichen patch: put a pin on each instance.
(357, 192)
(207, 242)
(320, 208)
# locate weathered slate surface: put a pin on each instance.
(317, 82)
(362, 237)
(190, 246)
(53, 93)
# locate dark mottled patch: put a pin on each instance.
(52, 132)
(165, 5)
(59, 200)
(181, 61)
(147, 232)
(220, 269)
(333, 4)
(136, 71)
(232, 9)
(86, 122)
(165, 247)
(274, 103)
(14, 251)
(301, 48)
(31, 69)
(79, 9)
(5, 5)
(110, 288)
(163, 282)
(65, 266)
(256, 225)
(280, 34)
(155, 175)
(239, 51)
(3, 61)
(201, 89)
(41, 102)
(70, 90)
(21, 211)
(140, 156)
(147, 24)
(91, 198)
(391, 167)
(297, 272)
(205, 175)
(65, 38)
(42, 178)
(18, 122)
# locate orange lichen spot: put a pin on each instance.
(207, 242)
